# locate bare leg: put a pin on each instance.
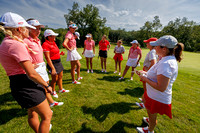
(115, 65)
(87, 63)
(104, 60)
(120, 66)
(132, 73)
(102, 63)
(125, 71)
(73, 66)
(59, 81)
(78, 68)
(53, 82)
(44, 111)
(152, 120)
(91, 63)
(33, 120)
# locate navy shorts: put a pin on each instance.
(58, 66)
(27, 93)
(103, 53)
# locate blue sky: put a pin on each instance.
(128, 14)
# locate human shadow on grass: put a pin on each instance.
(118, 127)
(7, 115)
(111, 78)
(101, 112)
(135, 92)
(6, 97)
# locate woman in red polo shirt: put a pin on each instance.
(54, 65)
(104, 45)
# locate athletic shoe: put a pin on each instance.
(121, 78)
(115, 71)
(75, 72)
(140, 99)
(56, 104)
(146, 120)
(63, 91)
(88, 71)
(91, 71)
(143, 130)
(102, 70)
(131, 78)
(79, 78)
(76, 82)
(50, 127)
(105, 71)
(54, 94)
(141, 105)
(119, 73)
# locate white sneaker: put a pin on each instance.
(121, 78)
(63, 91)
(76, 82)
(146, 120)
(105, 71)
(88, 71)
(141, 105)
(50, 127)
(75, 72)
(54, 94)
(143, 130)
(115, 71)
(102, 70)
(140, 99)
(91, 71)
(131, 78)
(79, 78)
(119, 73)
(56, 104)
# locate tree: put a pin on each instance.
(88, 21)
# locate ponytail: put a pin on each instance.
(178, 51)
(8, 32)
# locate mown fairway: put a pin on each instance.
(103, 104)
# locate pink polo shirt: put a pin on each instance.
(134, 52)
(72, 40)
(35, 45)
(89, 44)
(13, 52)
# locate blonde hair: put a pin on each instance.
(9, 32)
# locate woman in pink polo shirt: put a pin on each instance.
(54, 65)
(40, 67)
(89, 51)
(134, 56)
(25, 83)
(104, 46)
(72, 55)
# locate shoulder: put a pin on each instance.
(69, 35)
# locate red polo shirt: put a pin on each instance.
(103, 45)
(52, 48)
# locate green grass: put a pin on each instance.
(103, 104)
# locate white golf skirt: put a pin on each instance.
(73, 55)
(132, 62)
(41, 70)
(89, 53)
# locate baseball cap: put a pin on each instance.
(73, 26)
(134, 41)
(49, 32)
(78, 35)
(167, 41)
(88, 35)
(150, 40)
(13, 20)
(35, 22)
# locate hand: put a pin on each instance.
(35, 66)
(49, 89)
(53, 72)
(62, 53)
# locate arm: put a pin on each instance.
(94, 49)
(140, 56)
(65, 44)
(152, 63)
(161, 85)
(33, 75)
(47, 56)
(109, 46)
(84, 48)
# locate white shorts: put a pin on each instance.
(89, 53)
(41, 70)
(73, 55)
(132, 62)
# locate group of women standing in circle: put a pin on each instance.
(21, 55)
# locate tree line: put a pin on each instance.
(89, 21)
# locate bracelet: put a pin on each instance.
(47, 86)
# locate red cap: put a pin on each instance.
(150, 40)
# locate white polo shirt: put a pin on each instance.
(168, 67)
(151, 55)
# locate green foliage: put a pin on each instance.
(88, 21)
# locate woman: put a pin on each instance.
(119, 50)
(54, 65)
(37, 59)
(150, 60)
(104, 46)
(159, 80)
(72, 55)
(25, 83)
(89, 51)
(134, 56)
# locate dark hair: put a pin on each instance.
(177, 51)
(30, 19)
